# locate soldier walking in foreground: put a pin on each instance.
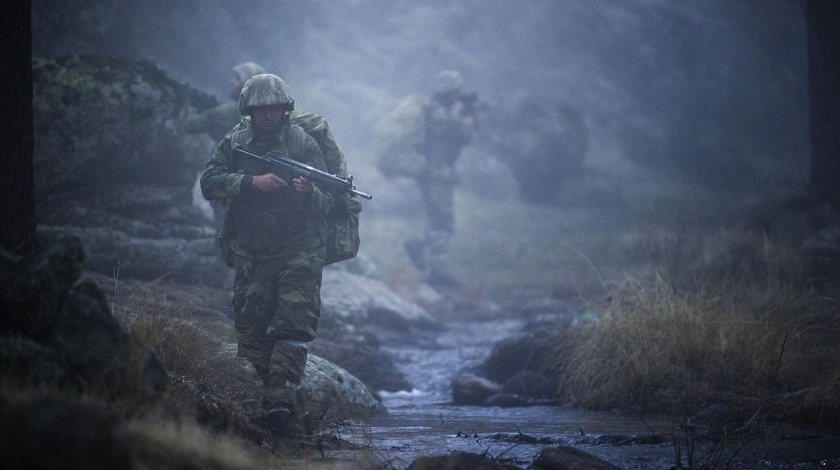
(273, 235)
(422, 139)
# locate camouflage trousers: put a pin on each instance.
(277, 305)
(438, 197)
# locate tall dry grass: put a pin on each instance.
(757, 336)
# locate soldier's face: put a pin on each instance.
(267, 119)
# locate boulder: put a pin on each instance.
(57, 331)
(458, 460)
(333, 392)
(55, 432)
(524, 351)
(354, 301)
(112, 161)
(358, 315)
(470, 389)
(35, 287)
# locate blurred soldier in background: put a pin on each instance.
(218, 121)
(422, 139)
(273, 236)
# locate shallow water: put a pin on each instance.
(424, 422)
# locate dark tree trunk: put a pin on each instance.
(823, 19)
(17, 207)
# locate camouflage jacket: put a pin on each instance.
(316, 126)
(446, 134)
(267, 225)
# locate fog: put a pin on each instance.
(670, 99)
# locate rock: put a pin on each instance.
(350, 299)
(470, 389)
(525, 351)
(358, 314)
(505, 400)
(458, 461)
(136, 256)
(57, 332)
(362, 356)
(29, 363)
(88, 337)
(333, 392)
(530, 384)
(106, 126)
(568, 458)
(56, 432)
(113, 162)
(34, 287)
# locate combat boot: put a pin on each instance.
(282, 400)
(282, 412)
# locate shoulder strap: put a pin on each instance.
(296, 141)
(238, 137)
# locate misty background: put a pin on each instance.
(669, 100)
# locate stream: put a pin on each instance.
(423, 422)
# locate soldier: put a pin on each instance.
(218, 121)
(422, 139)
(275, 227)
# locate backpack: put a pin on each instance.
(401, 137)
(342, 241)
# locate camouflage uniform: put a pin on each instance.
(278, 241)
(316, 126)
(219, 120)
(428, 154)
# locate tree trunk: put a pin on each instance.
(823, 18)
(17, 207)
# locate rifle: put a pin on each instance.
(324, 180)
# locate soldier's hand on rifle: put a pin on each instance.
(269, 183)
(302, 185)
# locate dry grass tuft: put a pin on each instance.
(169, 444)
(760, 340)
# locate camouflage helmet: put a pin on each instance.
(247, 70)
(265, 90)
(448, 81)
